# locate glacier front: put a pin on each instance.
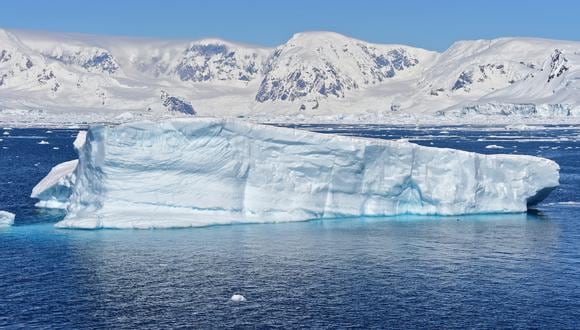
(198, 172)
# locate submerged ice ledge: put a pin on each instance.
(198, 172)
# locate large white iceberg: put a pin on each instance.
(198, 172)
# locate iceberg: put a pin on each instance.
(6, 219)
(198, 172)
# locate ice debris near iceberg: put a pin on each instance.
(6, 219)
(54, 190)
(198, 172)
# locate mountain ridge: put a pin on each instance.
(315, 75)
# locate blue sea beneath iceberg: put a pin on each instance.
(487, 271)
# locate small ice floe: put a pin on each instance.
(238, 298)
(570, 203)
(55, 148)
(43, 142)
(493, 146)
(7, 128)
(7, 219)
(6, 133)
(523, 127)
(48, 132)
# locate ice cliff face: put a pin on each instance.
(228, 171)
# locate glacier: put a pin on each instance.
(199, 172)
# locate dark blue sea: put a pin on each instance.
(492, 271)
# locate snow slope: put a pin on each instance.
(229, 171)
(314, 76)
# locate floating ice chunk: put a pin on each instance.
(55, 148)
(6, 219)
(6, 133)
(200, 172)
(238, 298)
(43, 142)
(493, 146)
(55, 189)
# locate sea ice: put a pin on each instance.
(199, 172)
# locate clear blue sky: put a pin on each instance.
(429, 24)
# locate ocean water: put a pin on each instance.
(492, 271)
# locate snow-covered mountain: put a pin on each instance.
(321, 64)
(315, 76)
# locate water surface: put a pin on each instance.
(478, 271)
